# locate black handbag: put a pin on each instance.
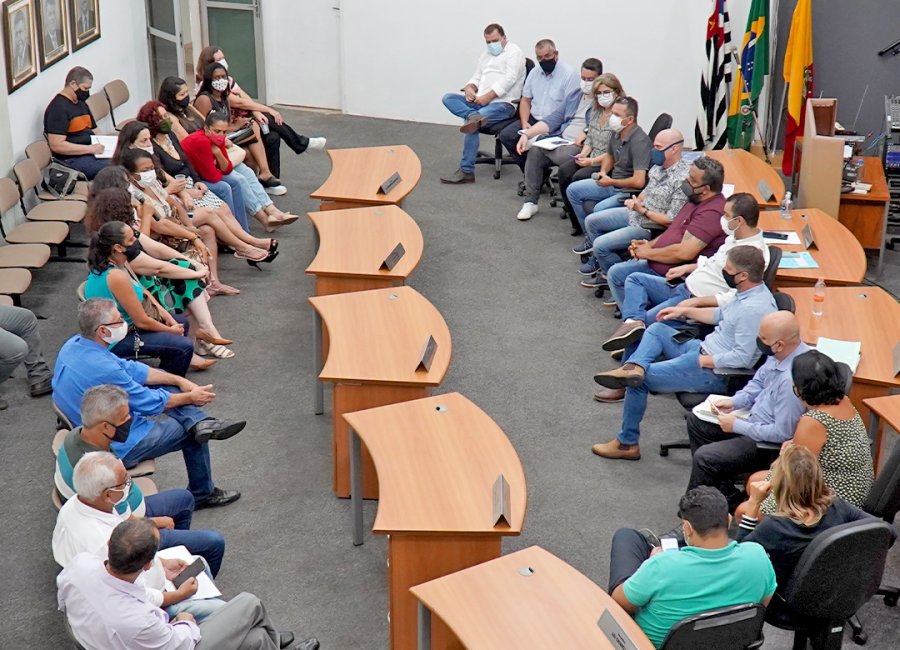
(60, 180)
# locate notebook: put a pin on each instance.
(705, 412)
(550, 143)
(801, 260)
(206, 588)
(848, 352)
(108, 142)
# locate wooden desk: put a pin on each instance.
(744, 171)
(882, 410)
(840, 258)
(437, 460)
(494, 605)
(865, 215)
(850, 316)
(356, 175)
(377, 338)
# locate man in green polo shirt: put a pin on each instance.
(711, 571)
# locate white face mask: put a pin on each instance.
(147, 149)
(116, 333)
(147, 177)
(220, 84)
(223, 63)
(725, 222)
(606, 99)
(586, 86)
(615, 123)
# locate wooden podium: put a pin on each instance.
(358, 175)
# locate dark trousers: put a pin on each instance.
(719, 457)
(509, 136)
(629, 550)
(567, 174)
(277, 134)
(179, 505)
(87, 164)
(173, 350)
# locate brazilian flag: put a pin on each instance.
(750, 76)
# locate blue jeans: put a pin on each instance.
(610, 233)
(172, 432)
(179, 505)
(233, 196)
(87, 164)
(255, 197)
(646, 290)
(494, 112)
(174, 351)
(618, 273)
(680, 371)
(588, 190)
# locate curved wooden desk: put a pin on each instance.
(377, 338)
(882, 411)
(356, 175)
(839, 255)
(437, 460)
(744, 171)
(493, 605)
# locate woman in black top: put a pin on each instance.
(174, 95)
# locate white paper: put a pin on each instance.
(551, 143)
(844, 351)
(109, 145)
(206, 588)
(727, 189)
(792, 238)
(705, 413)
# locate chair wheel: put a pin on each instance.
(599, 291)
(520, 191)
(663, 451)
(890, 600)
(553, 205)
(860, 638)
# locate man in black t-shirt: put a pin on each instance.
(69, 125)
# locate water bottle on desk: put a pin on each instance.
(819, 298)
(786, 205)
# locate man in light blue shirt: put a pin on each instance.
(547, 86)
(689, 364)
(723, 451)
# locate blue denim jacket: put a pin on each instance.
(559, 119)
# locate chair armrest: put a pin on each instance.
(768, 446)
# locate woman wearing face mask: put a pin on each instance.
(605, 90)
(168, 275)
(214, 95)
(831, 429)
(111, 277)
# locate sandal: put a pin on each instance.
(220, 289)
(208, 349)
(272, 224)
(255, 254)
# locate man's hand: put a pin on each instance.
(726, 421)
(186, 616)
(706, 361)
(96, 149)
(163, 522)
(483, 100)
(759, 490)
(470, 93)
(173, 567)
(722, 406)
(689, 303)
(201, 395)
(605, 181)
(638, 203)
(671, 313)
(677, 272)
(521, 144)
(641, 249)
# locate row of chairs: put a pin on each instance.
(103, 104)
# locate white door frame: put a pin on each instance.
(175, 38)
(253, 6)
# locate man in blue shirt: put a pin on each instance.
(689, 364)
(722, 451)
(546, 88)
(711, 571)
(163, 420)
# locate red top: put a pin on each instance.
(197, 148)
(702, 221)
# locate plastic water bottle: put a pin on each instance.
(786, 206)
(819, 298)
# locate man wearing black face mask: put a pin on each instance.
(546, 88)
(106, 418)
(69, 125)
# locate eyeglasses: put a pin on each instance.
(118, 322)
(125, 487)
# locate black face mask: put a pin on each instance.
(690, 192)
(183, 102)
(548, 66)
(762, 347)
(82, 95)
(133, 251)
(122, 431)
(729, 279)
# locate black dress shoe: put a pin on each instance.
(43, 387)
(311, 643)
(213, 429)
(219, 497)
(285, 639)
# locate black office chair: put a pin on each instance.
(772, 268)
(738, 627)
(837, 573)
(663, 122)
(884, 502)
(498, 159)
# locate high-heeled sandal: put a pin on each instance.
(202, 335)
(220, 289)
(258, 255)
(218, 351)
(273, 245)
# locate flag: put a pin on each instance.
(798, 76)
(750, 76)
(711, 127)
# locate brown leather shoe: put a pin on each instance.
(617, 451)
(629, 375)
(627, 334)
(472, 123)
(610, 395)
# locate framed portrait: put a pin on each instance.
(18, 36)
(52, 32)
(84, 22)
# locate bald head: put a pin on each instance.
(780, 331)
(671, 143)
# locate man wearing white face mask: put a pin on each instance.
(488, 96)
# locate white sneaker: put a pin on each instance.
(277, 190)
(316, 143)
(528, 210)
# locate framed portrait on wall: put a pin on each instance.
(52, 32)
(84, 22)
(18, 36)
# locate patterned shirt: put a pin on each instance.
(598, 135)
(663, 192)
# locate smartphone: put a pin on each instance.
(190, 571)
(668, 544)
(674, 282)
(771, 234)
(682, 337)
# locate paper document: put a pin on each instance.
(844, 351)
(206, 588)
(551, 143)
(792, 237)
(727, 189)
(797, 261)
(704, 410)
(108, 142)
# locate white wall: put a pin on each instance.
(120, 53)
(398, 57)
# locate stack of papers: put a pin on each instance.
(705, 410)
(797, 261)
(550, 143)
(206, 588)
(848, 352)
(108, 142)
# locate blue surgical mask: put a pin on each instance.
(657, 157)
(495, 48)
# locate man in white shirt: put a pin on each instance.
(488, 96)
(108, 609)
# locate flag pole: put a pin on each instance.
(778, 120)
(746, 88)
